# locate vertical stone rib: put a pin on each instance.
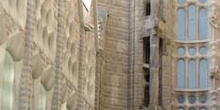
(81, 83)
(80, 101)
(154, 69)
(26, 75)
(131, 55)
(213, 93)
(56, 104)
(154, 56)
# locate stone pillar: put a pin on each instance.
(81, 77)
(56, 103)
(154, 56)
(155, 8)
(26, 75)
(154, 69)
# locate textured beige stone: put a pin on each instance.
(92, 59)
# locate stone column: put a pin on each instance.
(56, 103)
(155, 8)
(154, 69)
(154, 56)
(81, 77)
(26, 75)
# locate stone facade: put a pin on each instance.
(102, 55)
(52, 48)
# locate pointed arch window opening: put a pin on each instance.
(191, 65)
(192, 23)
(146, 69)
(148, 8)
(191, 54)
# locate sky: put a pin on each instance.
(87, 3)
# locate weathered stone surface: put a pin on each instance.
(93, 59)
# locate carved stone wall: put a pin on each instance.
(66, 56)
(114, 79)
(46, 50)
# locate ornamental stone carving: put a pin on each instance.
(214, 14)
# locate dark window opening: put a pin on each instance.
(147, 87)
(146, 50)
(146, 70)
(148, 8)
(147, 75)
(160, 71)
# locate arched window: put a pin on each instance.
(203, 24)
(181, 24)
(203, 70)
(148, 8)
(190, 30)
(192, 23)
(7, 84)
(202, 1)
(192, 74)
(181, 74)
(191, 54)
(181, 1)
